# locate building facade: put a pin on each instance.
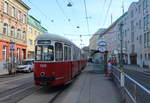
(13, 27)
(135, 33)
(93, 43)
(34, 29)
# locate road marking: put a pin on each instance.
(5, 82)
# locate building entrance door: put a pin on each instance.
(133, 59)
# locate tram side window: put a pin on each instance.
(48, 53)
(44, 53)
(75, 54)
(67, 53)
(38, 53)
(58, 51)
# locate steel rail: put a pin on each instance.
(138, 84)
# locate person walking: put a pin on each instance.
(109, 68)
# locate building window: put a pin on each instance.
(5, 28)
(12, 32)
(145, 56)
(24, 18)
(132, 25)
(23, 35)
(19, 33)
(140, 26)
(141, 56)
(132, 36)
(30, 30)
(146, 22)
(139, 8)
(13, 12)
(30, 42)
(145, 40)
(140, 39)
(149, 56)
(5, 7)
(18, 54)
(132, 13)
(4, 53)
(145, 6)
(133, 48)
(19, 15)
(148, 38)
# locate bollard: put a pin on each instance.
(122, 79)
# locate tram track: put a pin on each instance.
(56, 96)
(140, 77)
(17, 93)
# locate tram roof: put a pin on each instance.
(54, 37)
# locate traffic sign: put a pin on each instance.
(102, 43)
(102, 49)
(12, 45)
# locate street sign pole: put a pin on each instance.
(12, 48)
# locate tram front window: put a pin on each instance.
(44, 53)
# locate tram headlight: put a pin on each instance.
(42, 74)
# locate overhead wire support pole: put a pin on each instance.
(86, 15)
(121, 47)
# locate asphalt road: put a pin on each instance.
(140, 77)
(21, 89)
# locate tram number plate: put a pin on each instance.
(43, 65)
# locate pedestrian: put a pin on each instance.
(109, 68)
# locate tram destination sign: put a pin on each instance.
(102, 43)
(44, 42)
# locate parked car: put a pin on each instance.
(26, 66)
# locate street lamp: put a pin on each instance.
(69, 4)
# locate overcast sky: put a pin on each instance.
(60, 19)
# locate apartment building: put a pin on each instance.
(34, 29)
(93, 43)
(13, 27)
(135, 33)
(139, 33)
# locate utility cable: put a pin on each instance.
(86, 15)
(61, 9)
(107, 12)
(38, 9)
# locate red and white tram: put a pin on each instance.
(57, 60)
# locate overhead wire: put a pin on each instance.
(107, 12)
(38, 9)
(63, 12)
(86, 15)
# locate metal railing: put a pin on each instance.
(135, 91)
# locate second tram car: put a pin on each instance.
(57, 60)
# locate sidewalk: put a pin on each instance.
(91, 87)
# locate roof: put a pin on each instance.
(22, 3)
(112, 25)
(36, 23)
(54, 37)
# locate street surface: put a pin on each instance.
(90, 87)
(140, 77)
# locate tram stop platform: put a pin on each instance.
(91, 87)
